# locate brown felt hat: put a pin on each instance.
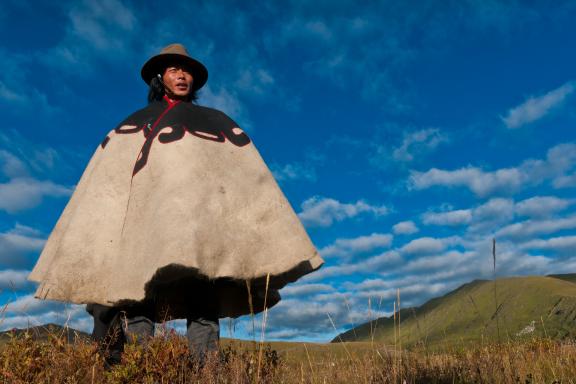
(172, 54)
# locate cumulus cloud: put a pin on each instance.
(478, 181)
(559, 160)
(30, 305)
(14, 280)
(447, 260)
(18, 245)
(20, 194)
(13, 95)
(291, 313)
(418, 142)
(255, 80)
(323, 211)
(229, 103)
(332, 39)
(424, 245)
(305, 289)
(562, 243)
(566, 181)
(372, 264)
(362, 244)
(450, 218)
(539, 206)
(532, 227)
(410, 295)
(95, 30)
(405, 228)
(22, 191)
(11, 166)
(497, 211)
(537, 107)
(27, 311)
(22, 158)
(492, 214)
(293, 171)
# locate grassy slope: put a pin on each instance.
(43, 332)
(571, 277)
(469, 313)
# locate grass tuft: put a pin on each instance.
(166, 360)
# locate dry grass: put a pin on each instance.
(165, 360)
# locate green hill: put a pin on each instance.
(43, 332)
(571, 277)
(526, 307)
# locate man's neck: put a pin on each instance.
(170, 100)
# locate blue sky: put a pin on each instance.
(406, 136)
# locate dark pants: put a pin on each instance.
(113, 327)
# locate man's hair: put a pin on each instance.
(156, 92)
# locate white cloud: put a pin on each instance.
(19, 157)
(27, 311)
(537, 107)
(424, 245)
(17, 244)
(93, 21)
(496, 212)
(408, 294)
(496, 207)
(563, 243)
(379, 262)
(480, 182)
(373, 264)
(540, 206)
(15, 97)
(405, 228)
(445, 261)
(293, 171)
(450, 218)
(566, 181)
(29, 305)
(323, 211)
(10, 95)
(559, 159)
(255, 80)
(418, 142)
(512, 261)
(312, 315)
(14, 280)
(222, 100)
(11, 165)
(305, 289)
(530, 228)
(491, 215)
(22, 193)
(298, 28)
(96, 30)
(362, 244)
(369, 284)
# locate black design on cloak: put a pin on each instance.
(178, 118)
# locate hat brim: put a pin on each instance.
(158, 63)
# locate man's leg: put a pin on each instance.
(203, 335)
(107, 331)
(137, 328)
(113, 327)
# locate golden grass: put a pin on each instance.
(165, 360)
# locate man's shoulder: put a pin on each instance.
(142, 115)
(210, 114)
(208, 111)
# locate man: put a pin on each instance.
(175, 216)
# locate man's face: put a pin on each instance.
(178, 81)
